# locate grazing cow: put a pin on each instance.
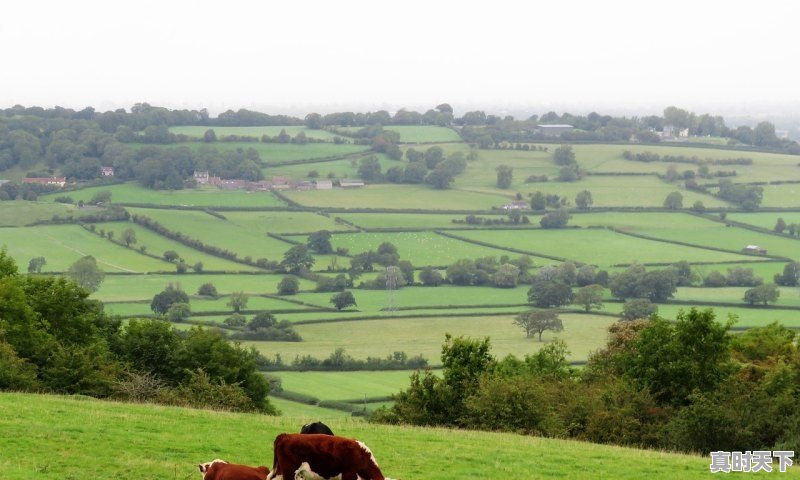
(222, 470)
(316, 427)
(323, 456)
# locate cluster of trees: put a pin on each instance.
(746, 196)
(503, 273)
(339, 360)
(564, 157)
(792, 229)
(541, 201)
(514, 217)
(654, 157)
(686, 385)
(263, 327)
(430, 167)
(54, 338)
(23, 191)
(552, 286)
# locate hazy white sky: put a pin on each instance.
(372, 54)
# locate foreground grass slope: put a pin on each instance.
(53, 437)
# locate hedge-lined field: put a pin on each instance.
(283, 152)
(284, 222)
(18, 213)
(54, 437)
(342, 168)
(582, 333)
(202, 196)
(199, 131)
(62, 245)
(417, 133)
(342, 386)
(599, 247)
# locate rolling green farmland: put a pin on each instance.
(204, 196)
(582, 333)
(343, 386)
(284, 222)
(399, 196)
(157, 245)
(747, 317)
(766, 219)
(54, 437)
(344, 168)
(420, 248)
(117, 288)
(198, 131)
(418, 133)
(282, 152)
(199, 305)
(789, 296)
(600, 247)
(308, 413)
(782, 195)
(406, 220)
(63, 244)
(17, 213)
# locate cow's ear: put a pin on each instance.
(201, 467)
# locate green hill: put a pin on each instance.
(55, 437)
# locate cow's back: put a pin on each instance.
(229, 471)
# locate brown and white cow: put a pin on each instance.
(323, 456)
(222, 470)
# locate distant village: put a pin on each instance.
(277, 183)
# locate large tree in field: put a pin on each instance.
(538, 322)
(165, 299)
(36, 264)
(564, 155)
(545, 294)
(238, 301)
(674, 201)
(129, 237)
(589, 297)
(320, 242)
(297, 259)
(505, 175)
(584, 199)
(86, 273)
(764, 294)
(343, 300)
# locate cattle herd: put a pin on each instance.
(315, 453)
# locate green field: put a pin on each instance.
(406, 220)
(311, 413)
(53, 437)
(202, 196)
(399, 196)
(598, 247)
(782, 195)
(198, 131)
(283, 152)
(282, 222)
(17, 213)
(414, 336)
(62, 245)
(345, 386)
(765, 219)
(343, 168)
(420, 248)
(118, 288)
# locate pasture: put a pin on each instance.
(420, 248)
(55, 437)
(62, 245)
(598, 247)
(342, 168)
(205, 196)
(407, 220)
(282, 152)
(293, 130)
(765, 219)
(415, 336)
(345, 386)
(18, 213)
(387, 196)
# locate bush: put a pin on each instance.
(207, 290)
(289, 285)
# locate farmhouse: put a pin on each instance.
(755, 249)
(108, 171)
(516, 205)
(305, 185)
(554, 130)
(671, 131)
(51, 181)
(324, 184)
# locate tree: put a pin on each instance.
(590, 296)
(674, 201)
(440, 179)
(657, 285)
(430, 277)
(638, 308)
(170, 295)
(584, 199)
(207, 290)
(505, 175)
(128, 236)
(698, 207)
(407, 269)
(369, 169)
(86, 273)
(178, 312)
(210, 136)
(320, 242)
(297, 259)
(462, 272)
(289, 285)
(506, 276)
(780, 225)
(262, 320)
(715, 279)
(557, 219)
(433, 156)
(538, 201)
(236, 320)
(35, 265)
(546, 294)
(171, 255)
(238, 301)
(198, 267)
(764, 294)
(181, 267)
(343, 300)
(314, 121)
(789, 278)
(564, 155)
(103, 196)
(538, 322)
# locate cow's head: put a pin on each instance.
(205, 466)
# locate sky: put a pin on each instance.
(365, 55)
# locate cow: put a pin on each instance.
(319, 455)
(316, 427)
(222, 470)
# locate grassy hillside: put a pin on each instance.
(53, 437)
